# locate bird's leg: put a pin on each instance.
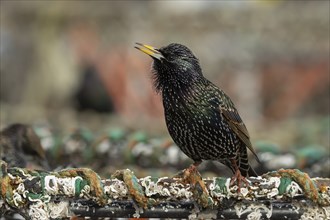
(238, 177)
(193, 167)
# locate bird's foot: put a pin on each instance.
(239, 178)
(193, 178)
(188, 173)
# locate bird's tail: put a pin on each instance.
(243, 164)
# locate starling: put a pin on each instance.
(201, 119)
(20, 147)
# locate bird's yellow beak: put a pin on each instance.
(151, 51)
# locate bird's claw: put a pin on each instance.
(198, 188)
(238, 178)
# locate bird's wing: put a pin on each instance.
(235, 122)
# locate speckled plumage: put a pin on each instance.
(200, 117)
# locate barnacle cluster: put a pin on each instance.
(49, 195)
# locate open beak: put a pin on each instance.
(151, 51)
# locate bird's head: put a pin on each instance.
(174, 66)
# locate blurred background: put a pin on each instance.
(69, 69)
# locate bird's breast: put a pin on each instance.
(189, 115)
